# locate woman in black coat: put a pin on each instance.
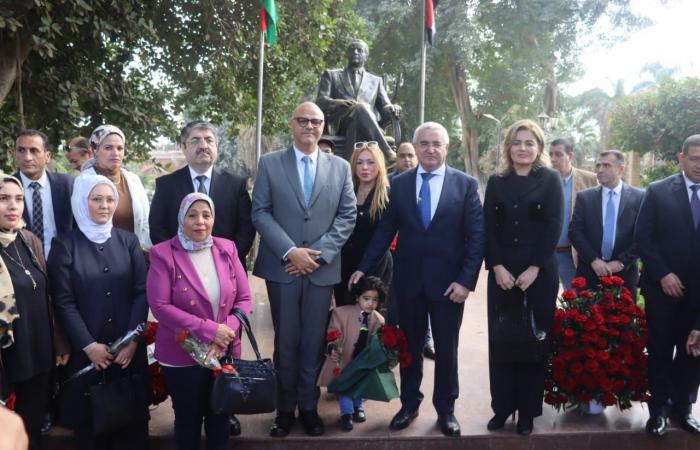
(523, 209)
(98, 281)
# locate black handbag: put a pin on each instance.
(117, 403)
(515, 338)
(253, 389)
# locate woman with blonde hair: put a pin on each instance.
(523, 209)
(372, 191)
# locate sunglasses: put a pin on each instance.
(359, 145)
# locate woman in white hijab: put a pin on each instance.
(98, 283)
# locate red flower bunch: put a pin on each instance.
(598, 353)
(395, 345)
(149, 336)
(159, 390)
(333, 335)
(335, 343)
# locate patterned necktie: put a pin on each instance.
(37, 211)
(202, 187)
(424, 199)
(608, 228)
(308, 180)
(695, 205)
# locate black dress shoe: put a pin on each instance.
(449, 425)
(524, 426)
(283, 424)
(656, 425)
(346, 422)
(359, 415)
(311, 423)
(429, 351)
(688, 423)
(234, 426)
(496, 423)
(402, 419)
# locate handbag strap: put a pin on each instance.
(240, 315)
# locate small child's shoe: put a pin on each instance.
(346, 422)
(359, 415)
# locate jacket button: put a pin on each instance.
(105, 270)
(184, 289)
(109, 320)
(516, 222)
(306, 219)
(539, 206)
(192, 302)
(515, 206)
(108, 294)
(101, 247)
(515, 240)
(179, 277)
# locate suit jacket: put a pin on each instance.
(451, 249)
(231, 202)
(179, 300)
(337, 84)
(61, 190)
(586, 232)
(582, 179)
(666, 240)
(284, 221)
(346, 319)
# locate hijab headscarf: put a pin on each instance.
(187, 243)
(8, 303)
(82, 187)
(96, 138)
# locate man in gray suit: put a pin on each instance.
(304, 208)
(353, 99)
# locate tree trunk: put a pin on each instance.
(460, 93)
(9, 56)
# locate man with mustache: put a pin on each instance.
(199, 143)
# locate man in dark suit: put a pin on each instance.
(232, 202)
(47, 210)
(437, 212)
(668, 241)
(602, 226)
(304, 208)
(352, 99)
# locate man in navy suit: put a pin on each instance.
(605, 245)
(437, 212)
(47, 210)
(199, 143)
(668, 240)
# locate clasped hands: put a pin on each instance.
(302, 261)
(606, 269)
(455, 291)
(506, 281)
(101, 358)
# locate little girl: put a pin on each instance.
(356, 323)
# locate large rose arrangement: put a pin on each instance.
(598, 352)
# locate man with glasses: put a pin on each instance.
(199, 143)
(304, 208)
(437, 212)
(353, 100)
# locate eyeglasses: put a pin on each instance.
(304, 121)
(435, 144)
(359, 145)
(198, 140)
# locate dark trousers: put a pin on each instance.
(190, 388)
(413, 320)
(517, 386)
(31, 405)
(299, 316)
(673, 376)
(131, 437)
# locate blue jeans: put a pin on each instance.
(348, 404)
(567, 269)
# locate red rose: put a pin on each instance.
(558, 375)
(558, 363)
(590, 353)
(585, 397)
(606, 281)
(588, 381)
(11, 400)
(591, 365)
(626, 297)
(608, 399)
(568, 295)
(585, 294)
(568, 384)
(550, 399)
(336, 371)
(569, 333)
(603, 356)
(616, 281)
(578, 283)
(181, 336)
(576, 367)
(389, 337)
(618, 385)
(333, 336)
(606, 384)
(548, 385)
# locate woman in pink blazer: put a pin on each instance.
(194, 283)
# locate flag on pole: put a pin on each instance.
(268, 20)
(430, 20)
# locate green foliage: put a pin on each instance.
(658, 171)
(658, 120)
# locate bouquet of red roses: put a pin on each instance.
(159, 390)
(335, 343)
(393, 340)
(598, 347)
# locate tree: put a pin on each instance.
(145, 65)
(657, 120)
(492, 55)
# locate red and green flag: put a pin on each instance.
(268, 20)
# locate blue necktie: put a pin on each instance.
(308, 179)
(202, 187)
(695, 205)
(608, 228)
(425, 199)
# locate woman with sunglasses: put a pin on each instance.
(372, 191)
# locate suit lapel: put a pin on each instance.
(182, 259)
(322, 172)
(681, 197)
(442, 199)
(215, 190)
(224, 270)
(289, 163)
(597, 215)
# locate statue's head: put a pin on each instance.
(357, 53)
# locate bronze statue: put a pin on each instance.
(355, 101)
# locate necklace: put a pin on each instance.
(19, 263)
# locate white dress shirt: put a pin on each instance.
(207, 182)
(46, 207)
(436, 183)
(616, 201)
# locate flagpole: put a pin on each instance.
(423, 51)
(258, 125)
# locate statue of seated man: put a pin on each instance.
(355, 102)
